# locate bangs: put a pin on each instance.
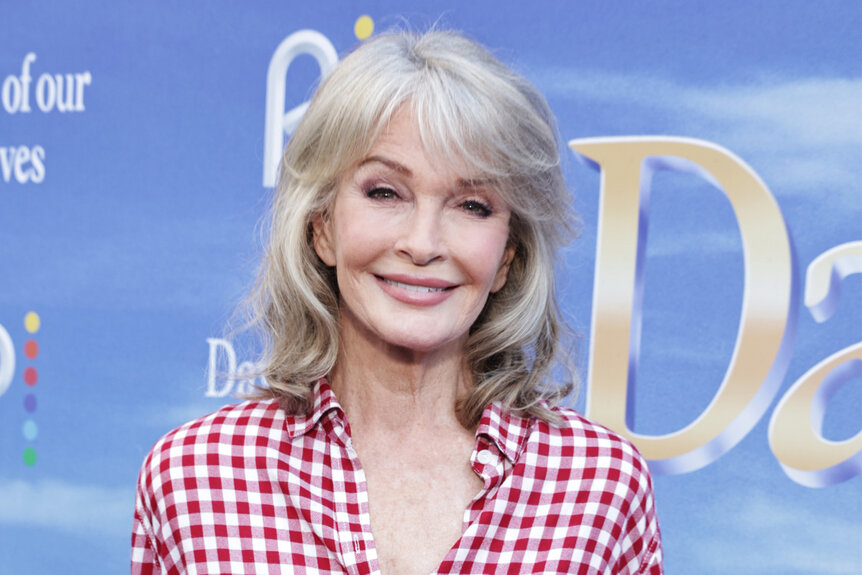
(473, 115)
(486, 126)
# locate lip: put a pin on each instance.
(409, 289)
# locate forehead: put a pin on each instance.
(405, 145)
(401, 138)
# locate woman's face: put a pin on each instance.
(416, 247)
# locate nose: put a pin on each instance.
(421, 235)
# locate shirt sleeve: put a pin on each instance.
(654, 565)
(651, 561)
(642, 550)
(144, 558)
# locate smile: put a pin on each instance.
(414, 288)
(419, 291)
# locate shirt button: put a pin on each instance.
(485, 457)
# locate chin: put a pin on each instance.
(425, 343)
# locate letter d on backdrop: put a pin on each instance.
(763, 343)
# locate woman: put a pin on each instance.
(409, 274)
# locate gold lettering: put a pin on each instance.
(763, 342)
(795, 430)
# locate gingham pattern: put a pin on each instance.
(250, 490)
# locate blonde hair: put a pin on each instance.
(469, 109)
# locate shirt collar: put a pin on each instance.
(507, 430)
(324, 402)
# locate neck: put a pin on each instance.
(392, 389)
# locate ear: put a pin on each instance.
(503, 270)
(322, 238)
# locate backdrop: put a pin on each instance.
(714, 152)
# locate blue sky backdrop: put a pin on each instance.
(144, 234)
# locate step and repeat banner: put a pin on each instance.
(714, 153)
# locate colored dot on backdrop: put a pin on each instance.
(364, 27)
(31, 349)
(30, 456)
(30, 430)
(32, 322)
(31, 376)
(30, 403)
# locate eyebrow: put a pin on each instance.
(391, 164)
(402, 169)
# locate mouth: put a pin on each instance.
(414, 288)
(416, 291)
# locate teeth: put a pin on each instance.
(419, 289)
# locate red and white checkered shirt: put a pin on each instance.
(250, 489)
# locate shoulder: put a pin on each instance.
(231, 422)
(580, 442)
(603, 477)
(251, 423)
(583, 431)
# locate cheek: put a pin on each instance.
(350, 233)
(485, 252)
(359, 243)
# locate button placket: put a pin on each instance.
(487, 463)
(357, 549)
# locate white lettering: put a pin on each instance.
(223, 379)
(37, 158)
(11, 94)
(277, 121)
(22, 157)
(220, 348)
(7, 360)
(6, 156)
(65, 103)
(46, 93)
(24, 163)
(63, 92)
(81, 80)
(25, 81)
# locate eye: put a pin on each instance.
(477, 208)
(380, 193)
